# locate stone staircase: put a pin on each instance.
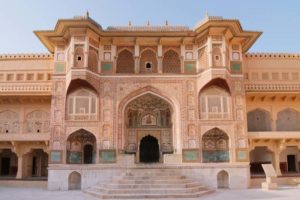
(149, 184)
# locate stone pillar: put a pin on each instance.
(136, 65)
(159, 59)
(209, 52)
(277, 162)
(20, 173)
(159, 65)
(86, 52)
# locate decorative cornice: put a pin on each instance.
(272, 55)
(26, 56)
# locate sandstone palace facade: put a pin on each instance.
(107, 100)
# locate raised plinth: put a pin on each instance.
(143, 184)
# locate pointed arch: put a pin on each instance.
(125, 61)
(9, 122)
(259, 120)
(223, 180)
(288, 120)
(215, 100)
(175, 113)
(38, 121)
(148, 56)
(215, 146)
(77, 153)
(74, 181)
(171, 62)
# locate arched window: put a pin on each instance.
(81, 147)
(9, 122)
(125, 62)
(79, 57)
(259, 120)
(93, 60)
(171, 62)
(82, 105)
(214, 103)
(215, 146)
(38, 122)
(148, 62)
(288, 120)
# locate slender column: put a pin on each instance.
(159, 59)
(20, 173)
(136, 65)
(209, 52)
(86, 52)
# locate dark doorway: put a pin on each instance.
(5, 165)
(34, 167)
(88, 154)
(291, 159)
(149, 150)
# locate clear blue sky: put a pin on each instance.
(278, 19)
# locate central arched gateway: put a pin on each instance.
(149, 149)
(148, 128)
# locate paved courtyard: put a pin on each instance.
(286, 193)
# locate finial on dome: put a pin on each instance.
(129, 23)
(167, 23)
(87, 14)
(148, 23)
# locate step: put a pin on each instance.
(148, 177)
(149, 190)
(147, 196)
(157, 185)
(153, 181)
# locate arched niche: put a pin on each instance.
(171, 62)
(148, 61)
(74, 181)
(82, 101)
(81, 148)
(9, 122)
(148, 114)
(215, 102)
(38, 121)
(288, 120)
(215, 146)
(223, 180)
(259, 120)
(125, 62)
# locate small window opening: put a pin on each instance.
(217, 57)
(6, 131)
(148, 65)
(78, 58)
(38, 130)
